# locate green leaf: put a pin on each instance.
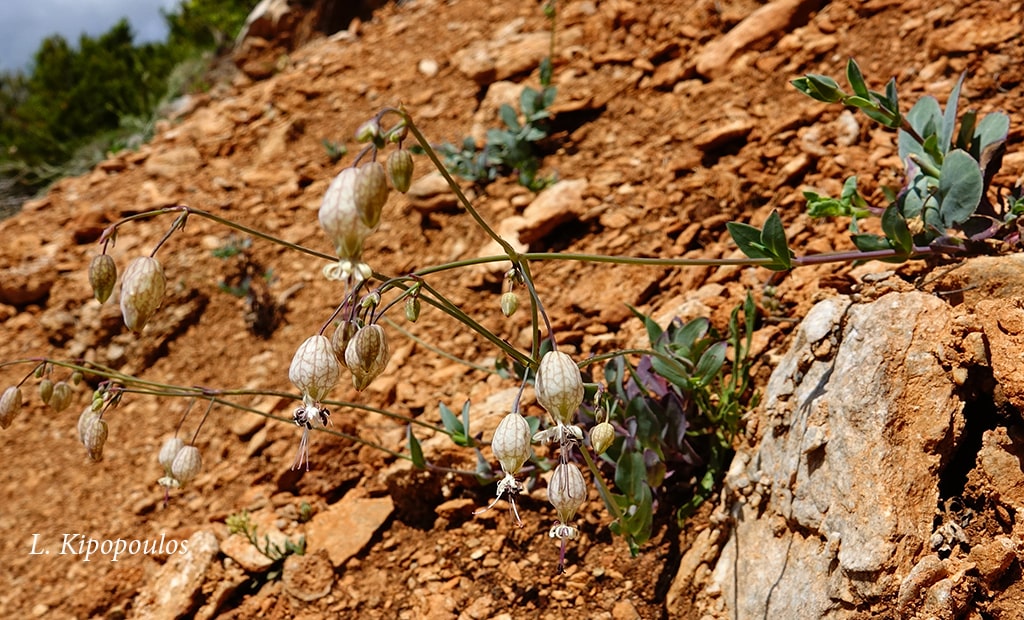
(949, 118)
(415, 449)
(870, 243)
(451, 423)
(748, 239)
(773, 237)
(710, 363)
(992, 129)
(856, 79)
(630, 474)
(820, 87)
(924, 117)
(508, 116)
(465, 425)
(545, 71)
(653, 329)
(960, 186)
(896, 231)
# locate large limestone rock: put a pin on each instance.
(839, 496)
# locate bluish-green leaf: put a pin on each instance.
(949, 117)
(630, 474)
(465, 425)
(451, 422)
(960, 186)
(710, 363)
(508, 116)
(925, 118)
(992, 129)
(415, 449)
(654, 330)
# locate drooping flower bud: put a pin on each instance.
(509, 303)
(102, 276)
(187, 463)
(367, 355)
(10, 405)
(400, 167)
(368, 131)
(511, 442)
(45, 391)
(168, 451)
(341, 220)
(76, 377)
(566, 491)
(371, 193)
(314, 369)
(559, 386)
(94, 435)
(412, 309)
(61, 398)
(142, 291)
(601, 437)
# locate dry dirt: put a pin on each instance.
(634, 119)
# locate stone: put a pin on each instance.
(172, 592)
(345, 527)
(502, 57)
(176, 164)
(308, 577)
(769, 21)
(430, 193)
(27, 283)
(888, 410)
(554, 206)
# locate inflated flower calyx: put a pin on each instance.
(10, 405)
(341, 220)
(511, 442)
(61, 397)
(168, 451)
(187, 463)
(84, 420)
(142, 291)
(94, 435)
(371, 193)
(314, 369)
(400, 169)
(45, 391)
(368, 131)
(341, 336)
(559, 386)
(367, 355)
(102, 276)
(566, 491)
(509, 303)
(601, 437)
(412, 309)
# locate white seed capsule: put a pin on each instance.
(94, 435)
(10, 405)
(170, 450)
(567, 490)
(340, 218)
(367, 355)
(601, 437)
(85, 419)
(187, 464)
(60, 399)
(511, 442)
(315, 369)
(142, 291)
(559, 386)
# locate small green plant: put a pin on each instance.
(335, 150)
(239, 523)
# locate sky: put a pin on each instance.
(25, 23)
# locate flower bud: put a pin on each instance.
(509, 303)
(367, 355)
(511, 442)
(368, 131)
(314, 369)
(559, 386)
(76, 377)
(340, 218)
(567, 490)
(61, 396)
(371, 193)
(10, 405)
(102, 276)
(601, 437)
(142, 290)
(412, 309)
(400, 168)
(45, 391)
(94, 435)
(187, 463)
(170, 450)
